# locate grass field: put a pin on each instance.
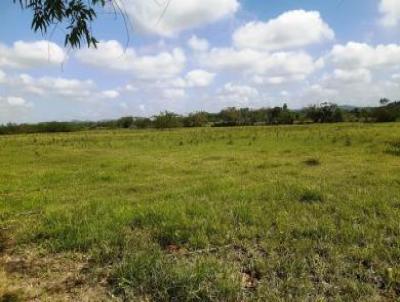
(299, 213)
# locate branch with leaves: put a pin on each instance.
(76, 15)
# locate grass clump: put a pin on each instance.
(394, 148)
(312, 196)
(312, 162)
(154, 275)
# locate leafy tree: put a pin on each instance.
(125, 122)
(324, 113)
(142, 123)
(286, 116)
(75, 15)
(388, 112)
(198, 119)
(280, 115)
(384, 101)
(167, 120)
(230, 116)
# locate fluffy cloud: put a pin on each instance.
(15, 101)
(199, 78)
(198, 44)
(278, 80)
(260, 62)
(13, 109)
(292, 29)
(168, 17)
(237, 95)
(360, 55)
(110, 94)
(390, 9)
(194, 78)
(351, 69)
(111, 55)
(2, 77)
(360, 93)
(31, 54)
(173, 94)
(60, 87)
(350, 77)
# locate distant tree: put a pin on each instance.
(125, 122)
(324, 113)
(383, 115)
(386, 113)
(142, 123)
(365, 114)
(167, 120)
(230, 116)
(245, 116)
(280, 115)
(384, 101)
(286, 116)
(197, 119)
(273, 115)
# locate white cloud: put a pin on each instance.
(260, 62)
(390, 9)
(168, 17)
(173, 94)
(110, 94)
(31, 54)
(15, 101)
(54, 88)
(123, 105)
(292, 29)
(361, 93)
(355, 55)
(2, 77)
(278, 80)
(198, 44)
(13, 109)
(199, 78)
(176, 83)
(194, 78)
(352, 76)
(354, 67)
(111, 55)
(237, 94)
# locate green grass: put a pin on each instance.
(300, 213)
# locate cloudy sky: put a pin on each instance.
(192, 55)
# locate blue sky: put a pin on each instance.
(202, 55)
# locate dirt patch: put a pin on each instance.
(33, 275)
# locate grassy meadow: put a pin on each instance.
(285, 213)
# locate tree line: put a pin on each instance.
(326, 112)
